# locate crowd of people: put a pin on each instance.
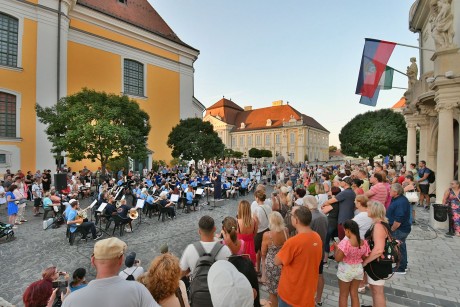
(346, 214)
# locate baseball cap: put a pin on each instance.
(72, 201)
(347, 180)
(129, 261)
(109, 249)
(228, 287)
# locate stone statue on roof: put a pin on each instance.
(412, 72)
(441, 20)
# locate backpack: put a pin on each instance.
(130, 276)
(431, 176)
(199, 291)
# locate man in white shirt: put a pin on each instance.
(109, 289)
(133, 268)
(206, 229)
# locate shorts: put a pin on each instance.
(348, 272)
(424, 188)
(258, 240)
(380, 282)
(37, 202)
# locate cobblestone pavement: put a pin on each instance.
(431, 281)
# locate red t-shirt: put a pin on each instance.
(301, 256)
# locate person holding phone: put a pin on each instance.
(43, 292)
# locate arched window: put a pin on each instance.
(8, 40)
(7, 115)
(133, 78)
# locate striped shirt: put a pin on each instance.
(378, 192)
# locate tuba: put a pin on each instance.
(133, 214)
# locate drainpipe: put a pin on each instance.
(58, 73)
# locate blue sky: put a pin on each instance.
(304, 52)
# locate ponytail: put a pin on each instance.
(354, 228)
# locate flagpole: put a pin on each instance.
(399, 88)
(398, 71)
(410, 46)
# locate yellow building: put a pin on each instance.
(117, 46)
(280, 128)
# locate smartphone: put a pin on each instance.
(60, 284)
(336, 239)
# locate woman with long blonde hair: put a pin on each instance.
(163, 280)
(247, 229)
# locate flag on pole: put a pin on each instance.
(370, 101)
(374, 61)
(386, 81)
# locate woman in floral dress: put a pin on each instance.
(452, 198)
(272, 242)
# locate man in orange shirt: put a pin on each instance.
(300, 257)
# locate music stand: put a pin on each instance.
(139, 206)
(174, 199)
(100, 209)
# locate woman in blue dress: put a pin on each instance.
(12, 206)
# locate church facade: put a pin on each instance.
(279, 128)
(53, 48)
(433, 98)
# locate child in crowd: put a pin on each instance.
(350, 253)
(78, 280)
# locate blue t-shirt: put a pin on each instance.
(189, 196)
(71, 217)
(47, 202)
(149, 199)
(421, 173)
(72, 289)
(400, 211)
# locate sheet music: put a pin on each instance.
(101, 207)
(174, 198)
(88, 184)
(199, 191)
(93, 204)
(118, 192)
(140, 204)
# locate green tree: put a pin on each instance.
(194, 139)
(373, 133)
(230, 153)
(255, 153)
(332, 148)
(265, 153)
(97, 126)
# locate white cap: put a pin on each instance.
(228, 287)
(72, 201)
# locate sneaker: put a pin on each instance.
(15, 227)
(128, 230)
(97, 237)
(17, 223)
(400, 272)
(23, 221)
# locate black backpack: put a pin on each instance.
(199, 291)
(130, 276)
(431, 176)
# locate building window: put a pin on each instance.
(8, 40)
(234, 141)
(7, 115)
(278, 139)
(241, 141)
(292, 137)
(134, 78)
(258, 140)
(2, 158)
(267, 139)
(249, 140)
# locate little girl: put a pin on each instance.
(350, 253)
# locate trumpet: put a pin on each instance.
(133, 214)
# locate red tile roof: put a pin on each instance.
(256, 119)
(136, 12)
(400, 104)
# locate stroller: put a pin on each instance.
(6, 230)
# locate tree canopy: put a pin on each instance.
(373, 133)
(194, 139)
(97, 126)
(260, 153)
(230, 153)
(332, 148)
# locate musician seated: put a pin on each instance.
(194, 183)
(123, 213)
(55, 200)
(110, 209)
(226, 188)
(167, 206)
(150, 204)
(191, 203)
(75, 221)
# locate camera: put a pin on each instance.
(60, 284)
(62, 273)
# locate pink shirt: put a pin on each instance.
(378, 192)
(353, 255)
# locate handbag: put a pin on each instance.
(412, 197)
(382, 267)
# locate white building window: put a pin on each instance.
(133, 79)
(258, 140)
(7, 115)
(267, 139)
(234, 141)
(278, 139)
(249, 140)
(292, 137)
(241, 141)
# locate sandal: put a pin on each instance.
(362, 290)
